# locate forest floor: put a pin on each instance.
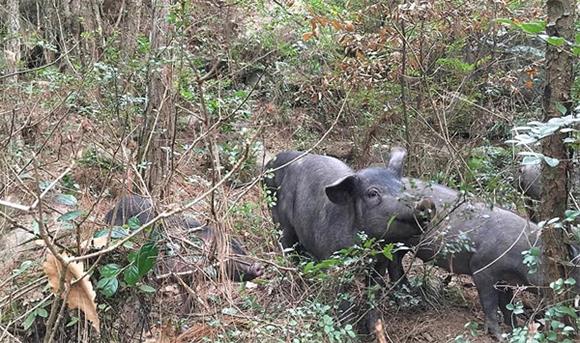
(443, 321)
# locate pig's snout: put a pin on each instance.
(256, 270)
(425, 210)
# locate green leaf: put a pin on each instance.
(146, 258)
(552, 162)
(108, 286)
(66, 199)
(109, 270)
(388, 251)
(561, 108)
(533, 27)
(504, 21)
(146, 288)
(132, 256)
(309, 267)
(229, 311)
(531, 160)
(41, 312)
(35, 227)
(134, 223)
(556, 41)
(23, 267)
(72, 321)
(131, 275)
(70, 216)
(567, 310)
(570, 282)
(29, 320)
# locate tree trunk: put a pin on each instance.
(132, 19)
(158, 124)
(557, 93)
(12, 50)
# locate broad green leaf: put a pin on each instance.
(388, 251)
(134, 223)
(29, 320)
(109, 270)
(561, 108)
(504, 21)
(42, 312)
(556, 41)
(309, 267)
(533, 27)
(72, 321)
(108, 286)
(70, 216)
(229, 311)
(35, 227)
(117, 232)
(23, 267)
(66, 199)
(146, 288)
(146, 258)
(131, 275)
(132, 256)
(531, 160)
(567, 310)
(552, 162)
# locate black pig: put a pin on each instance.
(473, 238)
(237, 269)
(322, 204)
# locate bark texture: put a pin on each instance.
(12, 50)
(559, 77)
(159, 124)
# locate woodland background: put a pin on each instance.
(185, 101)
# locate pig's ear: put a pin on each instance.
(342, 191)
(397, 161)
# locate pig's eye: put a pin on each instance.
(373, 193)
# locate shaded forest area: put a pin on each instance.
(134, 138)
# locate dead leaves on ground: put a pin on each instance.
(81, 294)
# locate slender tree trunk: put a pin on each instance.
(133, 21)
(557, 93)
(12, 50)
(158, 125)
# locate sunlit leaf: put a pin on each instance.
(66, 199)
(552, 162)
(69, 216)
(556, 41)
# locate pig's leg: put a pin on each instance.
(489, 299)
(505, 297)
(289, 238)
(395, 268)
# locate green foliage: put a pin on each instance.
(456, 245)
(555, 329)
(140, 262)
(455, 64)
(38, 312)
(490, 175)
(323, 328)
(361, 254)
(532, 259)
(93, 158)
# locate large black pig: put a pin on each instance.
(486, 242)
(321, 204)
(236, 267)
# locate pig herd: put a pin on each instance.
(321, 206)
